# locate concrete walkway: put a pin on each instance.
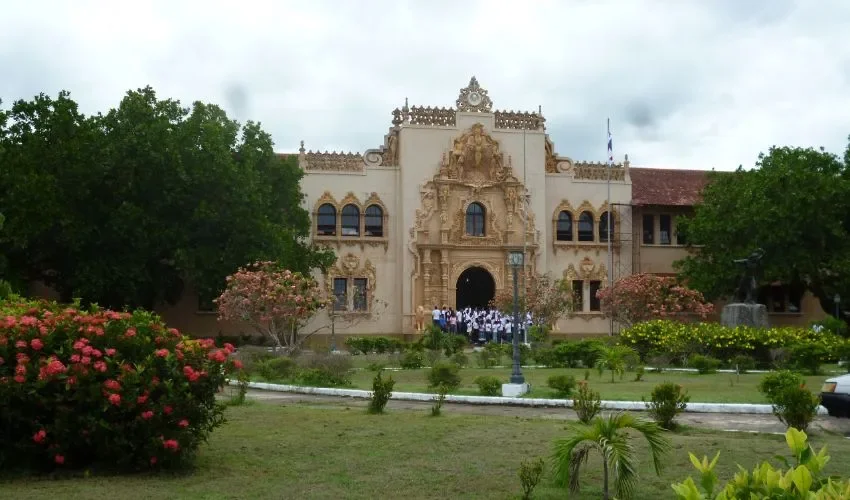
(717, 421)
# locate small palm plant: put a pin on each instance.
(611, 438)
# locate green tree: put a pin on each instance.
(125, 208)
(795, 204)
(610, 437)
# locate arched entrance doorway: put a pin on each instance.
(475, 288)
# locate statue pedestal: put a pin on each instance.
(739, 314)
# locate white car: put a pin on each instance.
(835, 396)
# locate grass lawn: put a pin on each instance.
(713, 388)
(302, 451)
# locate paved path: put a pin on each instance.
(719, 421)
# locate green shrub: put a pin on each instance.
(460, 358)
(804, 478)
(412, 360)
(793, 404)
(325, 370)
(82, 388)
(742, 363)
(437, 407)
(530, 473)
(488, 359)
(496, 351)
(544, 356)
(375, 366)
(773, 383)
(566, 354)
(433, 338)
(666, 402)
(359, 345)
(586, 403)
(833, 325)
(639, 371)
(433, 356)
(681, 340)
(382, 390)
(538, 334)
(796, 407)
(279, 368)
(453, 344)
(489, 385)
(563, 385)
(808, 358)
(589, 352)
(445, 375)
(704, 364)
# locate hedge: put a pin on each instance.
(713, 339)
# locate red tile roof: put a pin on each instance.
(667, 187)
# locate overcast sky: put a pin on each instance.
(687, 84)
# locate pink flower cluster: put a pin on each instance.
(643, 297)
(265, 294)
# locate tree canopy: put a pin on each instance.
(795, 204)
(125, 208)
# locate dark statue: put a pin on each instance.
(746, 291)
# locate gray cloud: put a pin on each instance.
(686, 84)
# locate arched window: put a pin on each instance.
(326, 220)
(585, 226)
(475, 219)
(350, 220)
(564, 231)
(603, 226)
(374, 221)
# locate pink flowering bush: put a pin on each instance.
(120, 389)
(643, 297)
(273, 301)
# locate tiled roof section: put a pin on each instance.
(667, 187)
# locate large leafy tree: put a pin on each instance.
(125, 208)
(795, 204)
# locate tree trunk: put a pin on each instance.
(605, 478)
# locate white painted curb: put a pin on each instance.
(739, 408)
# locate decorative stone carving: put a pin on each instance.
(570, 273)
(473, 98)
(351, 198)
(437, 117)
(326, 198)
(333, 162)
(475, 157)
(519, 120)
(496, 270)
(349, 267)
(473, 170)
(386, 155)
(598, 171)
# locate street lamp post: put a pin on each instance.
(515, 259)
(333, 328)
(837, 300)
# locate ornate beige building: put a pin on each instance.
(428, 218)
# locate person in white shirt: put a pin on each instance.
(435, 316)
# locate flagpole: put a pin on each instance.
(610, 156)
(524, 244)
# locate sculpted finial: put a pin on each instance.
(301, 149)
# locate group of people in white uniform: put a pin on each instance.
(479, 324)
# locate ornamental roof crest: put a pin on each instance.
(473, 98)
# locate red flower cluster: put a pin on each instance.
(45, 350)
